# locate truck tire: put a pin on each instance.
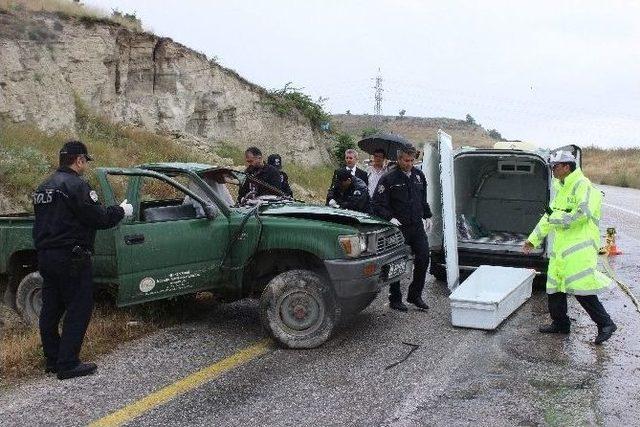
(298, 309)
(29, 298)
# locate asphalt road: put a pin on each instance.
(511, 376)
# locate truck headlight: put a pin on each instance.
(353, 245)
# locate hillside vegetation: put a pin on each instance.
(618, 166)
(28, 155)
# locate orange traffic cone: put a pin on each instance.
(610, 243)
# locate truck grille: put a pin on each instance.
(389, 240)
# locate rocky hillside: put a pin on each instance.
(48, 59)
(417, 129)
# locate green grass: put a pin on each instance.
(28, 155)
(315, 179)
(617, 166)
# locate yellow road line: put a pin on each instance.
(184, 385)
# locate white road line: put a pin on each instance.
(622, 209)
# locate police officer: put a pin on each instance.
(67, 215)
(573, 217)
(401, 198)
(348, 192)
(261, 172)
(276, 161)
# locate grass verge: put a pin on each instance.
(619, 166)
(21, 352)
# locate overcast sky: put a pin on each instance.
(551, 72)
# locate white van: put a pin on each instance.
(485, 202)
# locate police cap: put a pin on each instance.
(75, 148)
(275, 160)
(561, 156)
(343, 175)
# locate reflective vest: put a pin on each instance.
(573, 224)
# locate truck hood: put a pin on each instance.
(323, 213)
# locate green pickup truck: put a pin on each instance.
(308, 264)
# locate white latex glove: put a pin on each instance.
(428, 225)
(128, 208)
(395, 222)
(333, 203)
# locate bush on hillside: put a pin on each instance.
(344, 141)
(288, 98)
(366, 132)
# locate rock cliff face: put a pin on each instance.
(138, 78)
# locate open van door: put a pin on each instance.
(448, 196)
(437, 166)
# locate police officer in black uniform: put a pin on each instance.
(401, 198)
(348, 192)
(260, 171)
(67, 215)
(276, 161)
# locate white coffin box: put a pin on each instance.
(489, 295)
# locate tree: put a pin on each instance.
(470, 119)
(368, 132)
(344, 141)
(493, 133)
(402, 112)
(348, 112)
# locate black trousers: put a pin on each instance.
(590, 303)
(67, 288)
(416, 238)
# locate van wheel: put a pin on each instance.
(298, 309)
(29, 298)
(439, 272)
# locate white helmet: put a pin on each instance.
(561, 156)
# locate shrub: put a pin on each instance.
(289, 98)
(344, 141)
(469, 119)
(368, 132)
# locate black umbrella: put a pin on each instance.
(387, 142)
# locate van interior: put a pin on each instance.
(499, 199)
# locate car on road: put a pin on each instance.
(485, 202)
(309, 265)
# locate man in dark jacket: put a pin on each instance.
(260, 171)
(276, 161)
(350, 162)
(349, 192)
(401, 198)
(67, 215)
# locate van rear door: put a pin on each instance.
(448, 194)
(437, 166)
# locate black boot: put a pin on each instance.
(398, 305)
(418, 302)
(80, 370)
(605, 333)
(554, 329)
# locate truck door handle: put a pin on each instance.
(134, 239)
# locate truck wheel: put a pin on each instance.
(29, 298)
(298, 309)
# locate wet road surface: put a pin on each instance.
(511, 376)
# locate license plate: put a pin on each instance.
(396, 268)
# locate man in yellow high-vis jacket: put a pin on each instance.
(573, 218)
